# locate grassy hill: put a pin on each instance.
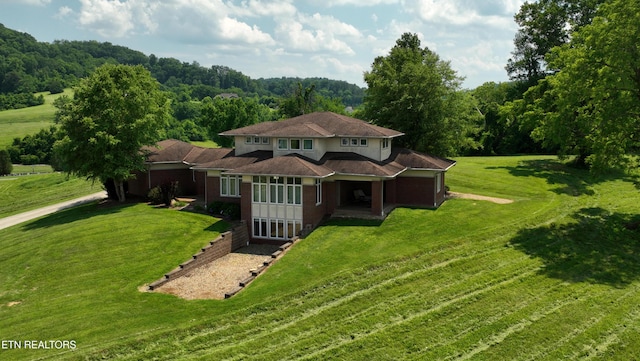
(20, 122)
(554, 275)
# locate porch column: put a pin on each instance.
(377, 198)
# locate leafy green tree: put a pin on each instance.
(591, 107)
(302, 101)
(114, 113)
(6, 167)
(219, 115)
(413, 91)
(545, 24)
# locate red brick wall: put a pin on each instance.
(245, 206)
(311, 214)
(415, 191)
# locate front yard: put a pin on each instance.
(554, 275)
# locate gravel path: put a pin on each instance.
(218, 277)
(480, 198)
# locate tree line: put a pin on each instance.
(28, 66)
(574, 90)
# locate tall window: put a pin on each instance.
(230, 185)
(294, 191)
(259, 189)
(276, 190)
(385, 143)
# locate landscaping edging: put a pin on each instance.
(256, 272)
(226, 243)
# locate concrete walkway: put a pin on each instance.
(36, 213)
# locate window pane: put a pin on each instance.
(223, 186)
(247, 140)
(290, 229)
(298, 195)
(272, 193)
(308, 144)
(256, 227)
(265, 140)
(344, 141)
(295, 143)
(280, 228)
(263, 227)
(263, 193)
(363, 142)
(282, 144)
(256, 192)
(274, 229)
(354, 141)
(232, 186)
(280, 193)
(289, 194)
(256, 140)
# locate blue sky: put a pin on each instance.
(336, 39)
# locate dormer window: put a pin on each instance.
(385, 143)
(307, 144)
(295, 144)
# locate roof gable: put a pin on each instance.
(314, 125)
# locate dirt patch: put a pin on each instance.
(14, 303)
(479, 197)
(213, 280)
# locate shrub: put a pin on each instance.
(155, 195)
(225, 209)
(6, 167)
(163, 193)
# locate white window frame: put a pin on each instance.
(248, 140)
(230, 185)
(265, 140)
(304, 144)
(262, 229)
(283, 141)
(438, 182)
(385, 143)
(344, 142)
(259, 187)
(364, 142)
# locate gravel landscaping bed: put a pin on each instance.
(218, 277)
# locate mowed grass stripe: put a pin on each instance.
(355, 286)
(271, 337)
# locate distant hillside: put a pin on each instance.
(28, 66)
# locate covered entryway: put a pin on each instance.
(359, 198)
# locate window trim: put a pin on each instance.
(291, 140)
(225, 182)
(280, 143)
(304, 144)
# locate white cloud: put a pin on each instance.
(107, 18)
(258, 8)
(494, 13)
(63, 12)
(360, 3)
(299, 38)
(232, 29)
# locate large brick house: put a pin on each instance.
(288, 175)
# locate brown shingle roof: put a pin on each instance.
(287, 165)
(319, 124)
(355, 164)
(231, 161)
(416, 160)
(177, 151)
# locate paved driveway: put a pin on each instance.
(36, 213)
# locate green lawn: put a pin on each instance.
(554, 275)
(24, 193)
(16, 123)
